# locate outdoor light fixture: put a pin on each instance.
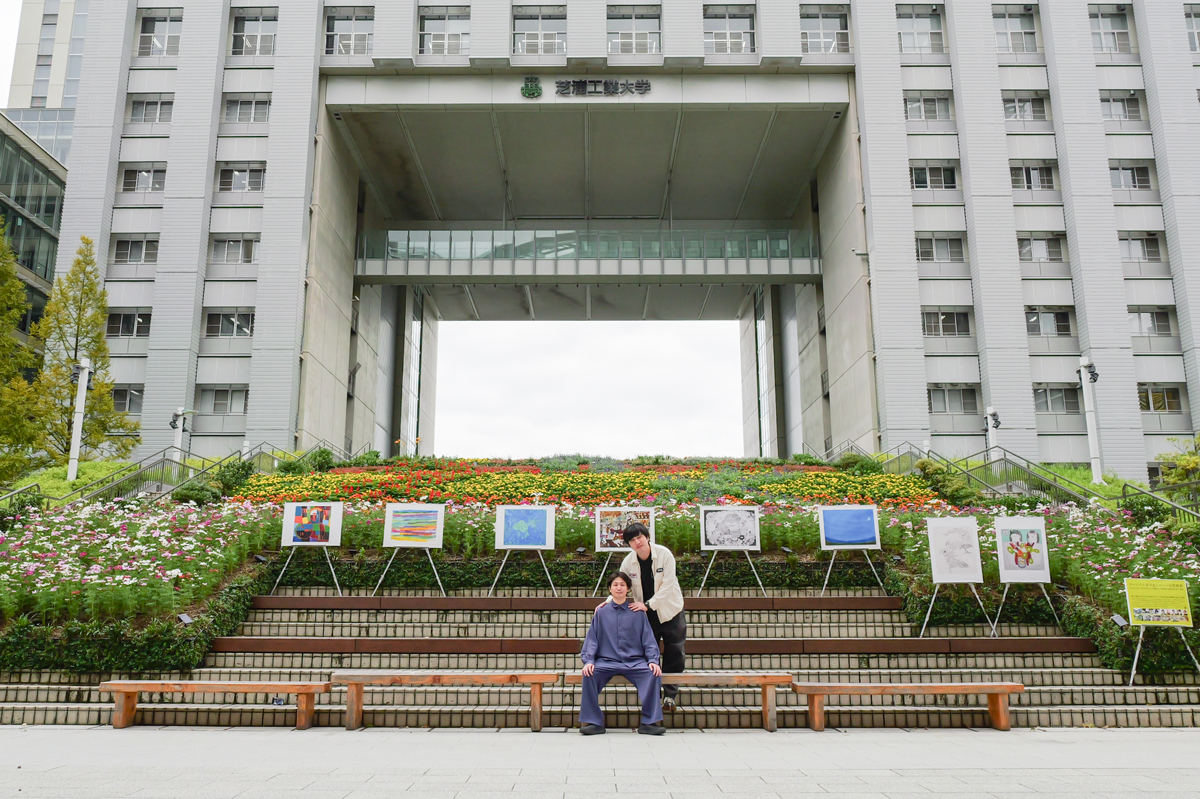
(1093, 375)
(785, 549)
(995, 417)
(185, 619)
(1119, 620)
(260, 558)
(897, 558)
(178, 419)
(581, 550)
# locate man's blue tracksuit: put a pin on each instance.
(620, 641)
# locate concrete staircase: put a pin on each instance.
(858, 636)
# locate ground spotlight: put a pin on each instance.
(185, 619)
(1119, 620)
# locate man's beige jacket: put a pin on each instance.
(667, 601)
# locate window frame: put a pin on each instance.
(255, 177)
(358, 40)
(229, 396)
(929, 41)
(1149, 392)
(1067, 397)
(229, 322)
(1042, 241)
(459, 45)
(820, 34)
(1009, 34)
(264, 40)
(934, 324)
(128, 323)
(541, 34)
(639, 39)
(147, 254)
(253, 241)
(132, 392)
(155, 43)
(720, 41)
(946, 392)
(951, 249)
(1060, 319)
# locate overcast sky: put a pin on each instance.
(517, 389)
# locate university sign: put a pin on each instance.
(586, 87)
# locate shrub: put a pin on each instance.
(951, 487)
(1145, 510)
(805, 459)
(856, 464)
(321, 460)
(294, 467)
(197, 492)
(233, 475)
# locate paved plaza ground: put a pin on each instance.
(264, 763)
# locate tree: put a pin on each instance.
(18, 427)
(73, 327)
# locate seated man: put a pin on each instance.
(620, 641)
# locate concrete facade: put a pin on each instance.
(909, 235)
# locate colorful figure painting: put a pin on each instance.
(1022, 551)
(611, 523)
(525, 527)
(413, 525)
(849, 526)
(312, 524)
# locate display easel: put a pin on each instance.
(1137, 652)
(748, 560)
(396, 552)
(1004, 596)
(288, 562)
(546, 569)
(829, 571)
(603, 572)
(929, 612)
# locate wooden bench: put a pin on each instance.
(355, 679)
(768, 682)
(997, 695)
(126, 694)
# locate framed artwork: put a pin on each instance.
(1158, 603)
(413, 525)
(731, 528)
(612, 521)
(525, 527)
(1021, 548)
(954, 555)
(849, 526)
(312, 524)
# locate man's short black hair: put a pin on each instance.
(634, 530)
(621, 576)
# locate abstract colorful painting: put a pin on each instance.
(525, 527)
(413, 525)
(1021, 548)
(312, 524)
(611, 524)
(849, 526)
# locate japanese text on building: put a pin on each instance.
(603, 88)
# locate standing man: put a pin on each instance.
(657, 592)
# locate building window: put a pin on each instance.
(1159, 399)
(159, 31)
(824, 29)
(235, 251)
(151, 107)
(1056, 400)
(241, 178)
(937, 248)
(1029, 109)
(917, 107)
(36, 310)
(48, 32)
(144, 178)
(254, 31)
(229, 323)
(128, 399)
(41, 82)
(945, 323)
(539, 30)
(1130, 177)
(1038, 248)
(1110, 31)
(634, 30)
(348, 30)
(1136, 247)
(445, 30)
(1121, 108)
(128, 324)
(223, 401)
(247, 108)
(1032, 177)
(136, 251)
(952, 400)
(1191, 17)
(1047, 323)
(1149, 323)
(729, 29)
(1016, 30)
(919, 29)
(933, 177)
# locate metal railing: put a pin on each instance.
(1004, 473)
(902, 458)
(1191, 510)
(844, 447)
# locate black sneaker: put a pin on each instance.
(668, 704)
(592, 729)
(652, 729)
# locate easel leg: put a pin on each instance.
(996, 620)
(433, 566)
(1136, 653)
(828, 571)
(1188, 647)
(929, 612)
(867, 555)
(507, 552)
(395, 552)
(329, 560)
(603, 572)
(706, 571)
(756, 577)
(981, 607)
(1051, 604)
(286, 563)
(546, 569)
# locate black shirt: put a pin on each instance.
(646, 567)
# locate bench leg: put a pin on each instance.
(125, 708)
(535, 707)
(354, 706)
(816, 712)
(768, 708)
(998, 710)
(305, 705)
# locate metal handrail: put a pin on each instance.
(987, 456)
(1176, 508)
(843, 448)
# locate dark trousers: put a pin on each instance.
(673, 636)
(647, 688)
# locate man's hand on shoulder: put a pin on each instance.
(588, 668)
(638, 606)
(655, 669)
(597, 610)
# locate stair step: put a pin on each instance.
(583, 617)
(573, 630)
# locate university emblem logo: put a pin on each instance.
(532, 88)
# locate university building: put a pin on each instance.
(917, 212)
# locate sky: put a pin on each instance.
(520, 389)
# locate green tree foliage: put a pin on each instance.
(73, 327)
(18, 428)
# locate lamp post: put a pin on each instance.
(1088, 375)
(81, 374)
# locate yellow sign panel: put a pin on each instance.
(1162, 603)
